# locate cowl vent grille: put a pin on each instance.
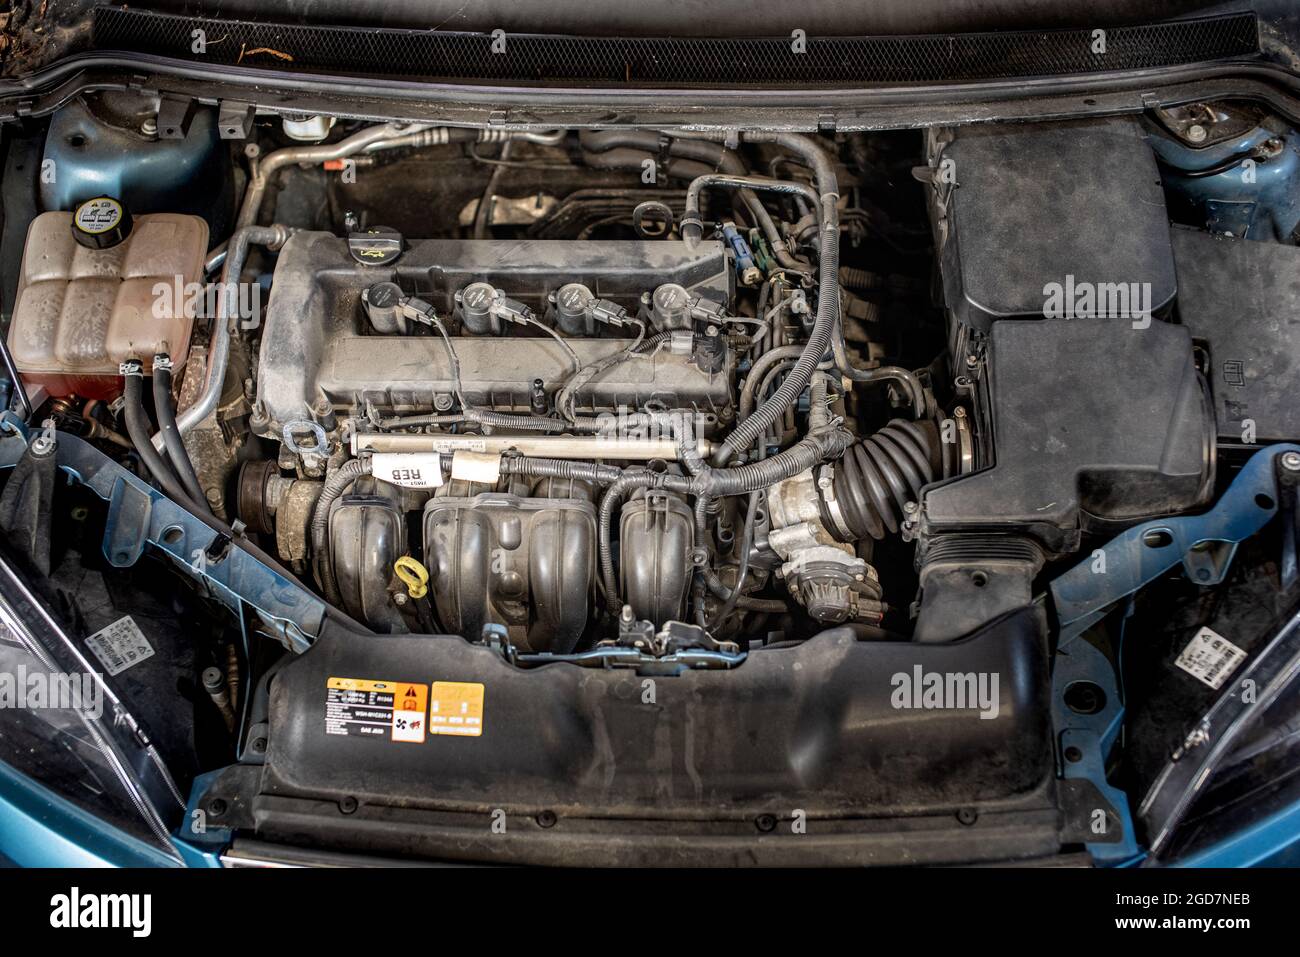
(678, 61)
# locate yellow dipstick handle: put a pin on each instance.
(413, 575)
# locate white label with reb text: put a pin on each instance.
(408, 469)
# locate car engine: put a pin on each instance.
(611, 401)
(596, 417)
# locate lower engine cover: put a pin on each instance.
(839, 746)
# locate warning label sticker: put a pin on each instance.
(456, 707)
(394, 710)
(120, 646)
(1210, 657)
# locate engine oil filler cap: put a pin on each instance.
(376, 246)
(101, 223)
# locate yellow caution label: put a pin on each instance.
(361, 707)
(456, 707)
(361, 684)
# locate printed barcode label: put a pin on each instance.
(120, 646)
(1210, 658)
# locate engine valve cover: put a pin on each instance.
(317, 341)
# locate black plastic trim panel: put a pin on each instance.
(582, 768)
(676, 61)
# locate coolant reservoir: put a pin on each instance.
(82, 310)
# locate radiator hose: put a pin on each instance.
(137, 427)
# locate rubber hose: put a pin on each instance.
(613, 496)
(757, 370)
(648, 145)
(176, 452)
(742, 569)
(716, 585)
(915, 391)
(879, 475)
(820, 444)
(137, 424)
(137, 427)
(828, 299)
(675, 167)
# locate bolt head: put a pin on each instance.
(1197, 133)
(1291, 461)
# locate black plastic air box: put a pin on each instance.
(1242, 300)
(1020, 207)
(1095, 424)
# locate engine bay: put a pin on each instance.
(523, 419)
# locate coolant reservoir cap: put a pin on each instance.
(101, 223)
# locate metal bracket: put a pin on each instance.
(1087, 706)
(1203, 544)
(235, 120)
(140, 516)
(678, 647)
(174, 117)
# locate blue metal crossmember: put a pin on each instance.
(1204, 545)
(139, 516)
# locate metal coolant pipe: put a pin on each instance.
(273, 237)
(371, 139)
(584, 447)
